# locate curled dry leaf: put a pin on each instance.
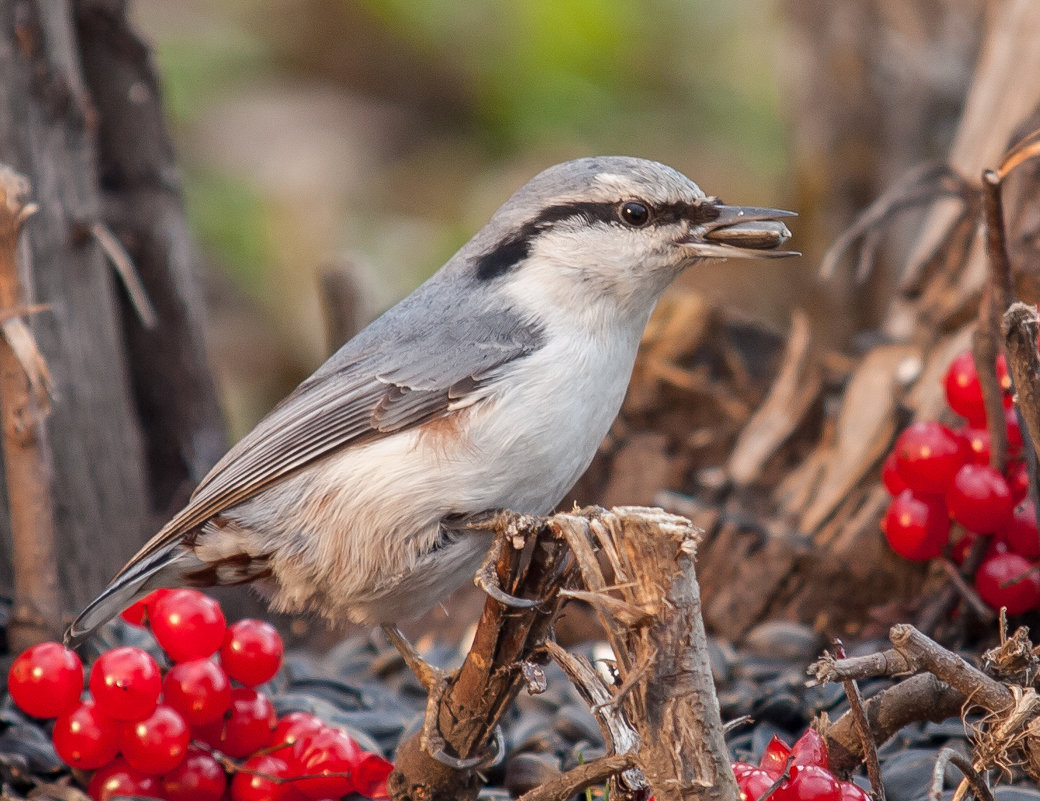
(795, 390)
(865, 428)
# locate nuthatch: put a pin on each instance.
(489, 387)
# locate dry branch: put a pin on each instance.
(24, 387)
(124, 267)
(581, 777)
(924, 653)
(661, 719)
(531, 564)
(617, 731)
(948, 756)
(1021, 326)
(919, 698)
(949, 688)
(995, 298)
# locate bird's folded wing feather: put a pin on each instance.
(360, 394)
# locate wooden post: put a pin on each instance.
(27, 463)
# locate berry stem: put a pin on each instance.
(866, 738)
(984, 350)
(995, 298)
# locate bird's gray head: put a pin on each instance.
(615, 228)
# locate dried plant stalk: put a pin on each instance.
(651, 614)
(24, 386)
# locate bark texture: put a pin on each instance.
(132, 411)
(650, 609)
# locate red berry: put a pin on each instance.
(140, 612)
(1021, 534)
(199, 777)
(809, 783)
(917, 528)
(754, 783)
(980, 499)
(740, 768)
(118, 779)
(890, 477)
(295, 725)
(370, 775)
(853, 792)
(963, 391)
(976, 441)
(156, 744)
(252, 651)
(86, 738)
(327, 759)
(810, 749)
(46, 680)
(125, 683)
(199, 689)
(246, 728)
(928, 454)
(774, 758)
(258, 780)
(188, 624)
(1009, 580)
(1017, 475)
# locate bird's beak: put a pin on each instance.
(741, 232)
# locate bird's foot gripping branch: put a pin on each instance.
(660, 716)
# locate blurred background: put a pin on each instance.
(375, 137)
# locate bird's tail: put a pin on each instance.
(135, 582)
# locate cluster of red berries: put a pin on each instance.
(202, 732)
(806, 767)
(939, 476)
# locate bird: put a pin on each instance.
(490, 387)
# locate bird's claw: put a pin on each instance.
(433, 742)
(435, 682)
(487, 579)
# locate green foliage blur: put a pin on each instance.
(668, 77)
(384, 132)
(606, 71)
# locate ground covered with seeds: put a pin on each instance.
(362, 686)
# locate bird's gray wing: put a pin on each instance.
(370, 388)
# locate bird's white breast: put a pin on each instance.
(540, 430)
(361, 521)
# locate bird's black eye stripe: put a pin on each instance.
(634, 213)
(516, 246)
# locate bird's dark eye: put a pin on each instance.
(634, 214)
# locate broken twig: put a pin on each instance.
(866, 739)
